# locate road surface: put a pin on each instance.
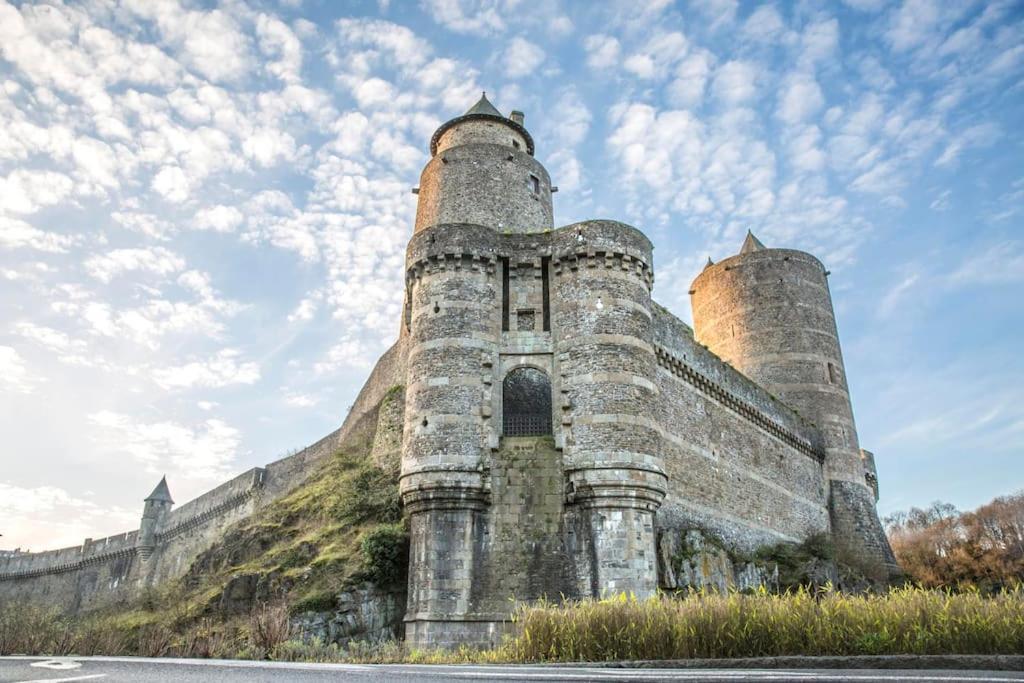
(142, 670)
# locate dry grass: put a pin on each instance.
(904, 621)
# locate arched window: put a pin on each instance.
(526, 400)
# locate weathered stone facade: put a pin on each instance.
(561, 433)
(650, 432)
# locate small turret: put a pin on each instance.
(750, 244)
(157, 505)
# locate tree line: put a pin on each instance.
(942, 547)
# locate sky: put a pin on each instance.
(204, 209)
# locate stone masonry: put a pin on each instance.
(642, 426)
(560, 431)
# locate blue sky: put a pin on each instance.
(204, 209)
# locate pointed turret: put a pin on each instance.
(751, 244)
(483, 106)
(482, 172)
(709, 263)
(154, 512)
(483, 111)
(161, 493)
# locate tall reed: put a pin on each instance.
(904, 621)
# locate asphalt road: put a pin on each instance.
(131, 669)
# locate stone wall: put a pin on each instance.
(740, 463)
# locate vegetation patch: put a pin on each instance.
(801, 622)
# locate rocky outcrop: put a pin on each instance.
(687, 559)
(366, 614)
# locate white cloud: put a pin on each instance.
(941, 202)
(217, 371)
(17, 234)
(691, 76)
(467, 16)
(172, 184)
(800, 98)
(204, 452)
(1001, 263)
(764, 25)
(277, 40)
(269, 146)
(51, 513)
(305, 310)
(522, 57)
(602, 51)
(156, 260)
(718, 12)
(659, 53)
(219, 218)
(300, 400)
(977, 136)
(349, 353)
(144, 223)
(735, 82)
(212, 43)
(26, 191)
(14, 377)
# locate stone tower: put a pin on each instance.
(154, 511)
(531, 464)
(768, 312)
(482, 172)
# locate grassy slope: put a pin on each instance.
(341, 527)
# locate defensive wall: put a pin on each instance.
(112, 569)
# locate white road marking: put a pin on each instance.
(63, 680)
(57, 664)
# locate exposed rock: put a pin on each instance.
(687, 559)
(364, 614)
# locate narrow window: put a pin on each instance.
(515, 143)
(504, 294)
(545, 290)
(534, 184)
(834, 375)
(525, 320)
(408, 306)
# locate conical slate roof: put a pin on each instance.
(709, 263)
(161, 492)
(483, 106)
(751, 244)
(483, 109)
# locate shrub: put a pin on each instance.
(385, 552)
(269, 626)
(372, 495)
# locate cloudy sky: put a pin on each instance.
(204, 209)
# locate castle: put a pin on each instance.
(557, 422)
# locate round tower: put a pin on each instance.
(482, 172)
(613, 457)
(768, 313)
(453, 327)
